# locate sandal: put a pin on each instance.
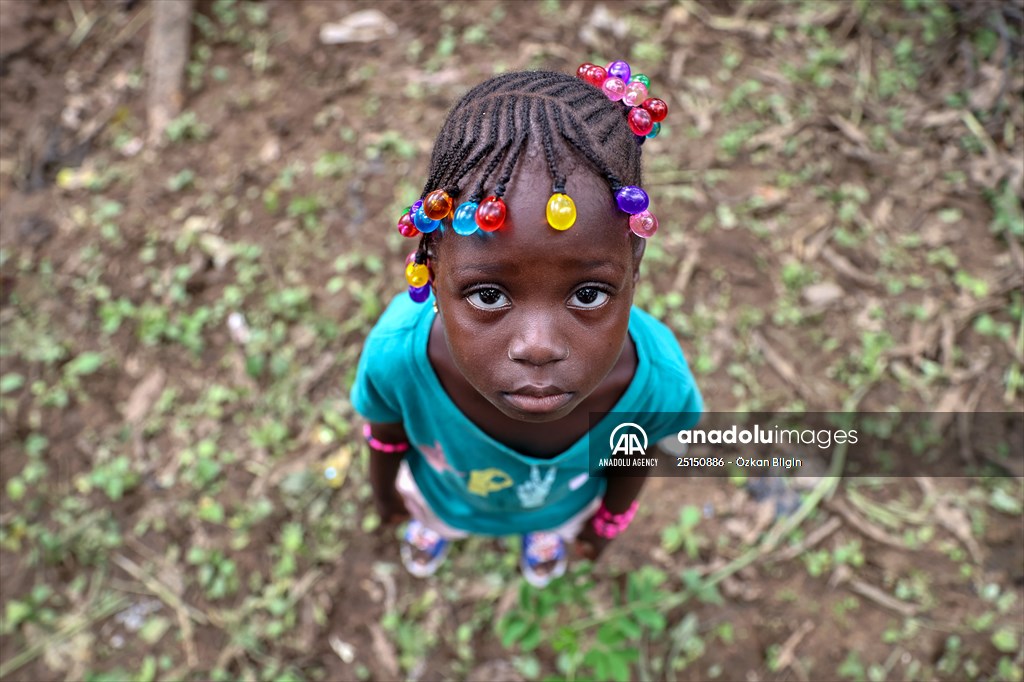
(422, 550)
(544, 558)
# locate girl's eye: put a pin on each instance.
(589, 297)
(487, 299)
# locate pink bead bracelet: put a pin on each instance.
(380, 446)
(609, 525)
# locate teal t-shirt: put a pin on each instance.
(470, 480)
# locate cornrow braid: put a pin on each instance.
(486, 131)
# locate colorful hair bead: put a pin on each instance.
(416, 274)
(437, 205)
(614, 88)
(619, 69)
(639, 121)
(561, 211)
(643, 224)
(584, 70)
(596, 76)
(465, 218)
(490, 215)
(655, 129)
(636, 93)
(640, 78)
(656, 108)
(406, 227)
(419, 294)
(424, 223)
(632, 200)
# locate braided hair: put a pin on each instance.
(494, 122)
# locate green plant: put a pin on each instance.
(186, 127)
(215, 572)
(682, 535)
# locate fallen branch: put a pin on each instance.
(787, 654)
(813, 539)
(185, 612)
(863, 526)
(883, 599)
(784, 369)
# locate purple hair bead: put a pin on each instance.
(419, 294)
(619, 69)
(632, 200)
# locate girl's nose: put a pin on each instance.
(537, 342)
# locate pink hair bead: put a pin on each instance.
(636, 92)
(643, 224)
(406, 227)
(614, 88)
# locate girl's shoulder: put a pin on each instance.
(668, 385)
(396, 339)
(657, 343)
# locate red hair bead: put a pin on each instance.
(584, 69)
(490, 215)
(656, 108)
(640, 121)
(596, 76)
(437, 205)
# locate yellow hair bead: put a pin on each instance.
(416, 274)
(561, 211)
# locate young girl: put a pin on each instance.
(479, 401)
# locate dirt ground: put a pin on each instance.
(839, 188)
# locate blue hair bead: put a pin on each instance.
(422, 222)
(465, 218)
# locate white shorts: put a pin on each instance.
(421, 511)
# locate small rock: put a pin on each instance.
(822, 294)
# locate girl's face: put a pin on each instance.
(535, 318)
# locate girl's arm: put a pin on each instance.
(386, 454)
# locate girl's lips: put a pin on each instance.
(538, 404)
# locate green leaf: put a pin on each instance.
(16, 488)
(1005, 640)
(618, 665)
(629, 629)
(1004, 502)
(11, 382)
(154, 629)
(85, 364)
(608, 634)
(689, 517)
(16, 612)
(531, 640)
(671, 539)
(148, 671)
(651, 619)
(514, 629)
